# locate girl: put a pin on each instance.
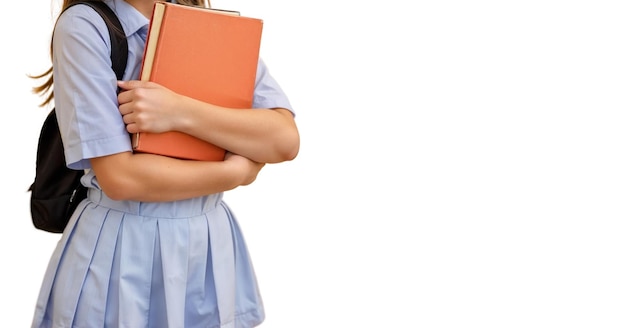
(153, 245)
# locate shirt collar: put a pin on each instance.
(132, 20)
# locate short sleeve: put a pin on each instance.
(85, 90)
(267, 92)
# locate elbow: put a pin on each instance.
(290, 153)
(287, 139)
(288, 149)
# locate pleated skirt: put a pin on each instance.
(158, 265)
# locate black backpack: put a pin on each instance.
(57, 191)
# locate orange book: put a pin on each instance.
(206, 54)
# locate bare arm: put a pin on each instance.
(267, 136)
(153, 178)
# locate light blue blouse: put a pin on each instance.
(85, 85)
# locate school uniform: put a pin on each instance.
(137, 264)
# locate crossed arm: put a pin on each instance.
(251, 137)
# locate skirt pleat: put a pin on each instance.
(174, 255)
(75, 263)
(201, 286)
(95, 291)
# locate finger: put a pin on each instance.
(124, 109)
(132, 128)
(128, 118)
(133, 84)
(123, 98)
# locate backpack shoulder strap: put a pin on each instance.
(119, 45)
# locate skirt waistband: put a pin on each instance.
(178, 209)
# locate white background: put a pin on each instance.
(462, 164)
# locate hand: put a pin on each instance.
(250, 168)
(148, 107)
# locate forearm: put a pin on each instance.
(263, 135)
(152, 178)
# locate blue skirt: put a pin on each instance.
(132, 264)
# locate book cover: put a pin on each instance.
(207, 54)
